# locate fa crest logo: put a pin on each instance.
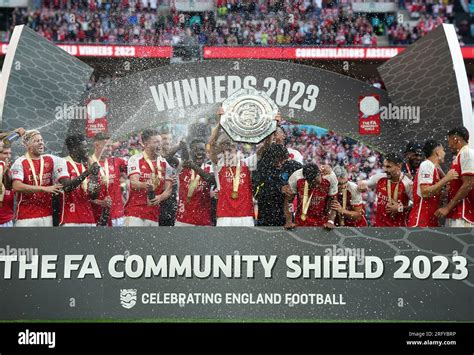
(128, 298)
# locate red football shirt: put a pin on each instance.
(37, 205)
(382, 218)
(76, 205)
(6, 211)
(116, 166)
(316, 215)
(198, 210)
(464, 165)
(137, 203)
(423, 212)
(353, 199)
(226, 205)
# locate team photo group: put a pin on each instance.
(210, 181)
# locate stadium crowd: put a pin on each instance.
(232, 23)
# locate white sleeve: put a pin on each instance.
(251, 162)
(133, 166)
(408, 187)
(60, 168)
(356, 196)
(292, 181)
(467, 162)
(374, 179)
(17, 170)
(332, 178)
(295, 155)
(426, 173)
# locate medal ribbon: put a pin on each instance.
(193, 183)
(153, 170)
(235, 177)
(74, 166)
(33, 171)
(306, 200)
(2, 187)
(395, 193)
(344, 204)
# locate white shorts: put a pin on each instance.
(235, 222)
(7, 224)
(181, 224)
(118, 222)
(458, 223)
(78, 225)
(139, 222)
(35, 222)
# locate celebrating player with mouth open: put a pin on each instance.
(394, 193)
(34, 178)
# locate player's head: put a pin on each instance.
(392, 165)
(152, 142)
(312, 174)
(102, 146)
(167, 139)
(5, 152)
(198, 150)
(276, 155)
(457, 138)
(225, 144)
(342, 177)
(33, 142)
(414, 154)
(77, 146)
(434, 149)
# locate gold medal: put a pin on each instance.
(303, 217)
(235, 195)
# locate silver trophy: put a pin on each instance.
(249, 116)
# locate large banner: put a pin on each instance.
(36, 95)
(237, 273)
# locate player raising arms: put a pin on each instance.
(195, 181)
(76, 203)
(233, 179)
(34, 176)
(150, 183)
(428, 185)
(108, 206)
(393, 190)
(459, 211)
(349, 205)
(315, 194)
